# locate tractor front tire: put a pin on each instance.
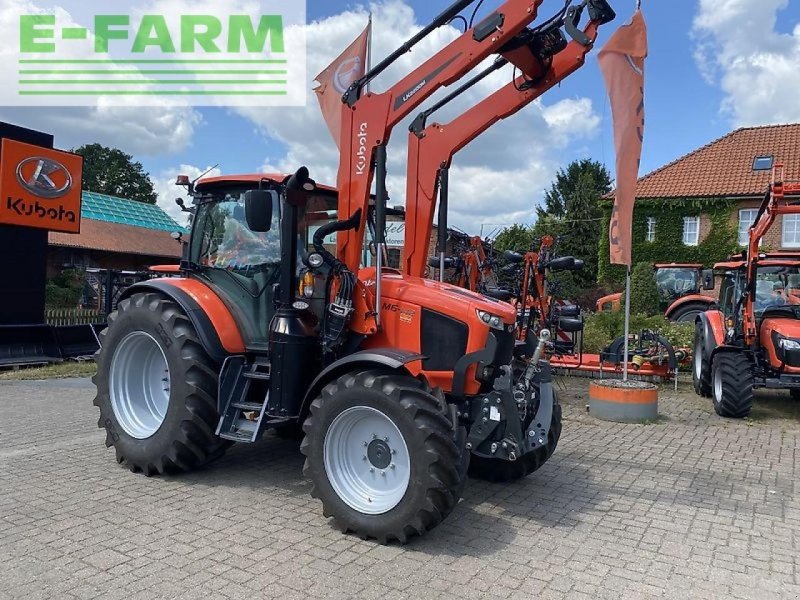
(156, 388)
(499, 470)
(732, 385)
(701, 369)
(383, 456)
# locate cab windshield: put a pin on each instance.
(221, 238)
(777, 287)
(675, 282)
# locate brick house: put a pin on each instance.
(699, 207)
(115, 234)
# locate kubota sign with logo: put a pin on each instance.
(40, 187)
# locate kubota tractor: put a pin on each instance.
(400, 383)
(752, 340)
(679, 291)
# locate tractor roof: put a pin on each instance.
(677, 266)
(253, 178)
(777, 260)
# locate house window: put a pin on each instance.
(791, 231)
(746, 218)
(650, 235)
(691, 231)
(762, 163)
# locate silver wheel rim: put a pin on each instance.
(718, 385)
(139, 385)
(366, 460)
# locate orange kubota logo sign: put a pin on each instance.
(40, 187)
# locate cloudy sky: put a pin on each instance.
(714, 65)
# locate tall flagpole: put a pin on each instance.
(627, 324)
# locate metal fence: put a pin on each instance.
(73, 316)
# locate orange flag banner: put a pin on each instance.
(337, 77)
(622, 63)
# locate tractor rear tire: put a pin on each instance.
(701, 369)
(156, 388)
(732, 385)
(688, 312)
(496, 469)
(383, 456)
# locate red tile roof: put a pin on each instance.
(115, 237)
(725, 166)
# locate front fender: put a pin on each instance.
(391, 358)
(215, 326)
(713, 331)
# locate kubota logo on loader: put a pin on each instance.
(40, 187)
(361, 153)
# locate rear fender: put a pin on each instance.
(216, 328)
(684, 300)
(610, 303)
(390, 358)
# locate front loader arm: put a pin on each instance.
(432, 148)
(367, 121)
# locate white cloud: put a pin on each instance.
(167, 190)
(739, 48)
(498, 178)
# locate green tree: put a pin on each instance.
(517, 237)
(571, 211)
(111, 171)
(644, 293)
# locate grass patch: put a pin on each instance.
(54, 371)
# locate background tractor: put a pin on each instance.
(679, 286)
(400, 384)
(752, 339)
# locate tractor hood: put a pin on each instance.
(441, 297)
(780, 337)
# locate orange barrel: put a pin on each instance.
(623, 401)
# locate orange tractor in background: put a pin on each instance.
(400, 384)
(680, 287)
(752, 339)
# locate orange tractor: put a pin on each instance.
(679, 291)
(752, 340)
(400, 384)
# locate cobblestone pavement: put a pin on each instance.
(691, 506)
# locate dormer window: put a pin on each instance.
(762, 163)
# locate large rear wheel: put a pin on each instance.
(732, 384)
(701, 369)
(688, 312)
(156, 388)
(382, 455)
(496, 469)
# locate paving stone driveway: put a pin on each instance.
(689, 507)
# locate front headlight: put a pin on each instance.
(788, 344)
(491, 320)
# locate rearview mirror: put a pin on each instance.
(258, 210)
(708, 279)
